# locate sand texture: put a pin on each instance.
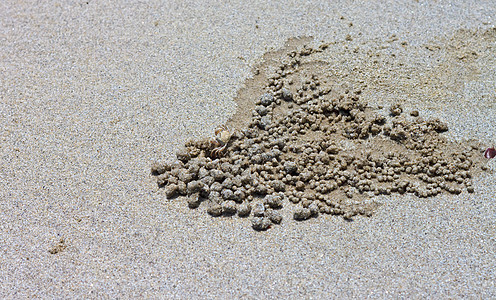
(92, 94)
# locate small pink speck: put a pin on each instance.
(490, 153)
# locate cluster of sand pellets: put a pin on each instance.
(316, 148)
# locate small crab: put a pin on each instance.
(222, 137)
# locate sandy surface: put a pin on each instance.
(92, 93)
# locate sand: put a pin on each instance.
(93, 93)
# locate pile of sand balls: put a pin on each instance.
(319, 150)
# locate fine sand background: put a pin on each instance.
(91, 93)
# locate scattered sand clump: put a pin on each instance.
(310, 143)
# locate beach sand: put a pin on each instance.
(92, 94)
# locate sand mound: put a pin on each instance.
(304, 139)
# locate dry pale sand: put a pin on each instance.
(92, 93)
